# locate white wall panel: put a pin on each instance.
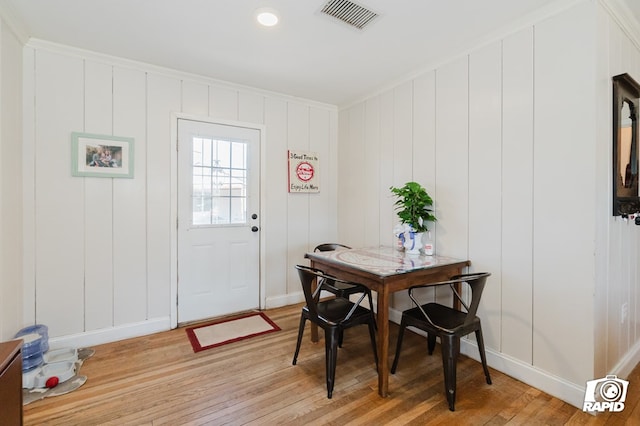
(634, 310)
(517, 195)
(130, 200)
(321, 211)
(297, 203)
(368, 167)
(28, 190)
(485, 180)
(402, 134)
(352, 196)
(603, 187)
(59, 221)
(11, 169)
(223, 103)
(388, 216)
(251, 107)
(424, 133)
(344, 129)
(195, 98)
(615, 50)
(274, 223)
(98, 202)
(564, 167)
(163, 98)
(452, 159)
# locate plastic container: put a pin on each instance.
(40, 329)
(28, 378)
(31, 345)
(61, 355)
(32, 362)
(428, 244)
(62, 370)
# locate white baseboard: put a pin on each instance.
(112, 334)
(284, 300)
(558, 387)
(628, 362)
(553, 385)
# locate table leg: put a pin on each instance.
(383, 341)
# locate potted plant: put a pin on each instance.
(414, 210)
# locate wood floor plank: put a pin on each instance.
(159, 380)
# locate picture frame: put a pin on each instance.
(103, 156)
(303, 172)
(626, 144)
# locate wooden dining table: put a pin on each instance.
(384, 270)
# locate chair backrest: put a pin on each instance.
(330, 247)
(307, 276)
(476, 282)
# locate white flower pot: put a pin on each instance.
(412, 242)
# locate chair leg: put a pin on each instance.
(431, 342)
(331, 349)
(372, 334)
(300, 332)
(403, 325)
(450, 351)
(483, 356)
(340, 337)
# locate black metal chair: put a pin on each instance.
(449, 325)
(333, 315)
(341, 289)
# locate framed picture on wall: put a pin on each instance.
(101, 155)
(303, 172)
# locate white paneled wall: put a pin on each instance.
(517, 195)
(129, 211)
(485, 180)
(620, 241)
(99, 252)
(564, 181)
(504, 139)
(451, 161)
(10, 183)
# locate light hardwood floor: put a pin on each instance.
(158, 380)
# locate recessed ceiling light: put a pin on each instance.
(267, 17)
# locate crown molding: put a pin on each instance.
(38, 44)
(623, 16)
(15, 24)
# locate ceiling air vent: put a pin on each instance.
(349, 13)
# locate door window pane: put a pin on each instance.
(219, 181)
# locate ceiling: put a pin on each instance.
(308, 55)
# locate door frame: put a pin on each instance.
(173, 293)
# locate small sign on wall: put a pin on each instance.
(303, 172)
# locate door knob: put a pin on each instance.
(254, 229)
(254, 216)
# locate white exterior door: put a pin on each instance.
(218, 223)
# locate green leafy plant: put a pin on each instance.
(414, 206)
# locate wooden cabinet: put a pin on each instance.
(11, 383)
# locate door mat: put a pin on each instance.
(218, 333)
(36, 394)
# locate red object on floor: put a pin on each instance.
(52, 382)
